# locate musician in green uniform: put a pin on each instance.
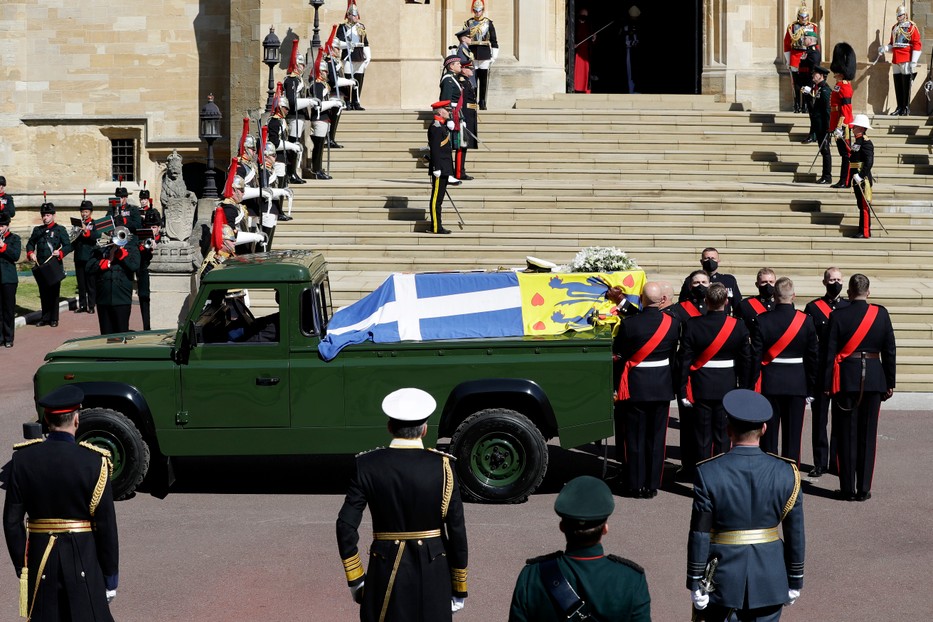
(10, 249)
(582, 582)
(48, 243)
(113, 267)
(84, 244)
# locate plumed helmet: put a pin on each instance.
(250, 142)
(243, 136)
(293, 61)
(803, 11)
(352, 9)
(843, 60)
(231, 173)
(478, 5)
(901, 10)
(238, 183)
(270, 149)
(300, 59)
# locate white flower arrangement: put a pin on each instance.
(602, 259)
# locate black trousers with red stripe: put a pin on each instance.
(460, 166)
(864, 215)
(645, 442)
(787, 424)
(858, 438)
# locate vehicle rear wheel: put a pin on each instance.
(115, 432)
(501, 456)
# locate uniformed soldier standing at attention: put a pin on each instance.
(7, 206)
(749, 309)
(740, 498)
(418, 559)
(861, 159)
(819, 310)
(84, 245)
(48, 242)
(484, 45)
(68, 562)
(860, 374)
(152, 222)
(646, 345)
(709, 260)
(440, 166)
(10, 249)
(582, 578)
(786, 356)
(125, 213)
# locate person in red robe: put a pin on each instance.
(581, 65)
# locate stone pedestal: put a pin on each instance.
(173, 280)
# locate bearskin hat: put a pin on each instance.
(843, 60)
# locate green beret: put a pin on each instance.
(586, 499)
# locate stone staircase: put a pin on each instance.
(659, 177)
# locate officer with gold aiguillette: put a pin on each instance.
(66, 553)
(418, 558)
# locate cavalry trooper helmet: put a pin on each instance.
(249, 142)
(901, 12)
(479, 6)
(352, 9)
(803, 13)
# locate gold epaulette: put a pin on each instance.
(438, 451)
(28, 443)
(708, 459)
(363, 453)
(104, 452)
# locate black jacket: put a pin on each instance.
(647, 383)
(441, 148)
(11, 247)
(781, 377)
(711, 382)
(880, 373)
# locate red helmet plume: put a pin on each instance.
(293, 63)
(243, 136)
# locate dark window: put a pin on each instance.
(123, 159)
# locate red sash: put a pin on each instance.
(756, 305)
(690, 308)
(641, 354)
(823, 306)
(854, 342)
(781, 344)
(711, 350)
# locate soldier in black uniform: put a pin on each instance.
(582, 582)
(740, 499)
(113, 267)
(149, 239)
(469, 128)
(750, 308)
(646, 345)
(84, 244)
(7, 206)
(48, 242)
(819, 310)
(786, 356)
(709, 260)
(68, 562)
(714, 358)
(860, 374)
(301, 108)
(861, 159)
(484, 45)
(441, 166)
(125, 214)
(819, 95)
(418, 558)
(10, 249)
(694, 305)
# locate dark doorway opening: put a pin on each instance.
(645, 47)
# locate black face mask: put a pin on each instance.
(709, 264)
(699, 292)
(833, 290)
(766, 290)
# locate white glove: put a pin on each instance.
(915, 57)
(787, 59)
(885, 49)
(456, 603)
(809, 400)
(330, 103)
(838, 133)
(450, 124)
(792, 596)
(856, 179)
(806, 90)
(356, 592)
(437, 172)
(290, 146)
(913, 67)
(111, 594)
(685, 402)
(495, 55)
(700, 599)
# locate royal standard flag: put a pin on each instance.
(464, 305)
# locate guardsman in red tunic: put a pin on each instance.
(752, 307)
(819, 310)
(840, 106)
(785, 351)
(860, 373)
(906, 45)
(800, 36)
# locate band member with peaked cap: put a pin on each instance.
(66, 551)
(840, 108)
(418, 559)
(10, 249)
(7, 205)
(353, 43)
(860, 373)
(48, 242)
(786, 358)
(709, 260)
(582, 578)
(819, 310)
(798, 35)
(84, 244)
(906, 44)
(861, 159)
(484, 45)
(740, 499)
(646, 344)
(440, 167)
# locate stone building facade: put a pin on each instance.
(81, 78)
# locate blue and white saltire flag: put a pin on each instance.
(415, 307)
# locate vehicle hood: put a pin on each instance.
(153, 344)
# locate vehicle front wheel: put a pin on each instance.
(115, 432)
(501, 456)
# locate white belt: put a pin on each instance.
(719, 364)
(788, 361)
(661, 363)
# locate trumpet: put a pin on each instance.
(149, 243)
(120, 237)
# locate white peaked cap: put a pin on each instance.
(408, 404)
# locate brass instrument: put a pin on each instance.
(120, 237)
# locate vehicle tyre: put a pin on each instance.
(501, 456)
(115, 432)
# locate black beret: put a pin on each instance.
(585, 499)
(747, 406)
(47, 208)
(64, 399)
